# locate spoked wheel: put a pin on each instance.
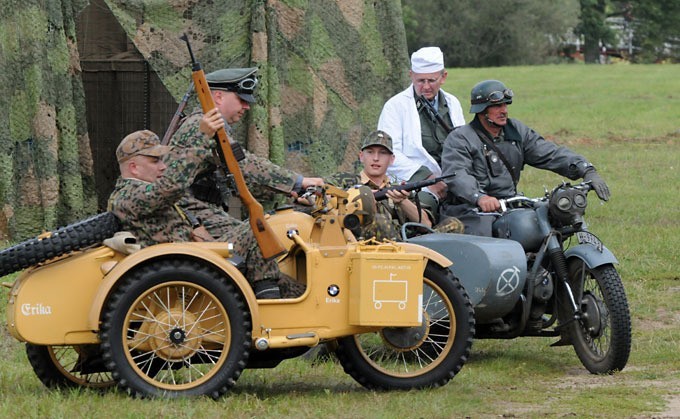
(69, 366)
(602, 337)
(428, 355)
(176, 328)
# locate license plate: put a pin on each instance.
(586, 237)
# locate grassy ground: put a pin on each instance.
(625, 119)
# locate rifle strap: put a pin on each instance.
(488, 141)
(419, 207)
(422, 103)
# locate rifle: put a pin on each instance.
(382, 193)
(266, 239)
(179, 113)
(434, 114)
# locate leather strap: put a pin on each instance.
(489, 142)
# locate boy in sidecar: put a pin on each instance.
(377, 156)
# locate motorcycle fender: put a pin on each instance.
(591, 256)
(430, 254)
(213, 253)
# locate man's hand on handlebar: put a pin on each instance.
(488, 203)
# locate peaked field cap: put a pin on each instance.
(242, 81)
(378, 138)
(427, 60)
(140, 143)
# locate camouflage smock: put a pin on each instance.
(146, 209)
(256, 171)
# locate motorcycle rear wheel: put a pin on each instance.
(416, 357)
(602, 338)
(176, 328)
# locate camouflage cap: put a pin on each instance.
(378, 138)
(140, 143)
(242, 81)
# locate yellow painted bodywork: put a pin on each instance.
(352, 287)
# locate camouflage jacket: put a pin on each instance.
(148, 210)
(256, 170)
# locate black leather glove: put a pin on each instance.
(597, 183)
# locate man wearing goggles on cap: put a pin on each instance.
(489, 153)
(233, 91)
(418, 119)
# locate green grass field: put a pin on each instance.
(625, 119)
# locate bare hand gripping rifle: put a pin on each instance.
(381, 194)
(266, 239)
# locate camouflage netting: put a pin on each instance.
(46, 175)
(326, 68)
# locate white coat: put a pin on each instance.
(399, 118)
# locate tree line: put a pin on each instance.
(489, 33)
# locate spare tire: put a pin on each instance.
(75, 236)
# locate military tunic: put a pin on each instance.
(148, 211)
(467, 156)
(255, 169)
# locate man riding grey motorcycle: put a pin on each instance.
(489, 153)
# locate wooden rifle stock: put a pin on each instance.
(266, 239)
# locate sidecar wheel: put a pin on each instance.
(435, 351)
(602, 339)
(73, 237)
(66, 366)
(176, 328)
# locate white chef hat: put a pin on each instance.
(427, 60)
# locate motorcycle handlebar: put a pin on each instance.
(512, 202)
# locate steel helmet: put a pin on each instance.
(487, 93)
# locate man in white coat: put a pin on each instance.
(419, 120)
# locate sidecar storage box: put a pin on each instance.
(386, 287)
(493, 271)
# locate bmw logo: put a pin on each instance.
(333, 290)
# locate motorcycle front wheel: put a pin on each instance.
(403, 358)
(69, 366)
(602, 337)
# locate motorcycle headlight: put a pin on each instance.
(564, 203)
(580, 200)
(567, 205)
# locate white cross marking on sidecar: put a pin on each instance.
(507, 281)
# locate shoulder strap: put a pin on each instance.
(422, 103)
(489, 142)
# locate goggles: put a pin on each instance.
(246, 85)
(495, 97)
